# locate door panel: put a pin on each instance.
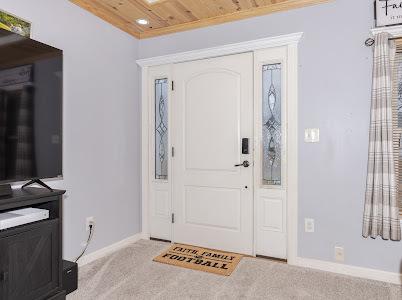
(204, 207)
(272, 214)
(210, 96)
(212, 112)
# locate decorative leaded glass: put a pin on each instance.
(271, 121)
(161, 128)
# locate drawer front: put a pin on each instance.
(27, 227)
(30, 261)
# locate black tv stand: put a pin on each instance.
(37, 181)
(31, 263)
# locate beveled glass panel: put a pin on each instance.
(161, 128)
(271, 124)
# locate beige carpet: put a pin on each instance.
(131, 274)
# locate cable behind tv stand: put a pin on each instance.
(37, 181)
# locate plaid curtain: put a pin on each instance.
(381, 211)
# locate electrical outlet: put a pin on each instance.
(339, 254)
(89, 221)
(309, 225)
(312, 135)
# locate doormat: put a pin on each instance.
(202, 259)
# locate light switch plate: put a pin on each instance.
(309, 225)
(312, 135)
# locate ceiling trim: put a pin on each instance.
(239, 15)
(236, 48)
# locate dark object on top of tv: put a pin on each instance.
(31, 101)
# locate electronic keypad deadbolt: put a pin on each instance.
(245, 146)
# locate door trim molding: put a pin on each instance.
(292, 151)
(282, 40)
(291, 41)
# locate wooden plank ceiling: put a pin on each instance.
(168, 16)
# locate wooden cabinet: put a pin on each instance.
(30, 255)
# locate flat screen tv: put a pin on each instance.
(31, 101)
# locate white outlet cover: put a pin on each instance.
(312, 135)
(339, 254)
(309, 225)
(89, 220)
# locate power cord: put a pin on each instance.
(88, 241)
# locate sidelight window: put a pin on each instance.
(161, 128)
(271, 124)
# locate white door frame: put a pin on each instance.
(291, 41)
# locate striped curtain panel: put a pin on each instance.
(381, 211)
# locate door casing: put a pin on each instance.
(290, 42)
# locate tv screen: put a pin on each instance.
(31, 93)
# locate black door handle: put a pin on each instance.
(245, 164)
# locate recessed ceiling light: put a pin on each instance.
(142, 21)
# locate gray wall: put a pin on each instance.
(334, 95)
(101, 120)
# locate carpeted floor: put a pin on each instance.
(131, 274)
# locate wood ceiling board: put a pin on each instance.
(144, 11)
(107, 11)
(182, 10)
(172, 14)
(130, 12)
(238, 15)
(109, 16)
(169, 16)
(193, 8)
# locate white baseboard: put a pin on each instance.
(146, 236)
(327, 266)
(109, 249)
(366, 273)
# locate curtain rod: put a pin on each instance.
(370, 41)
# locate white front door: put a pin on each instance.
(212, 112)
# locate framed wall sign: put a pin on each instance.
(388, 12)
(15, 24)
